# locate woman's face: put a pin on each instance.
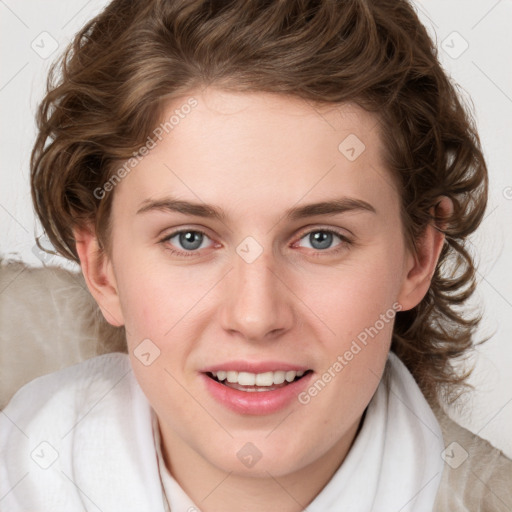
(290, 265)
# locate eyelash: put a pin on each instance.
(345, 242)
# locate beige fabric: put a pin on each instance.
(48, 320)
(482, 482)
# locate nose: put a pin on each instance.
(258, 304)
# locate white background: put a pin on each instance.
(483, 72)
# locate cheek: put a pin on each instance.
(352, 296)
(358, 305)
(155, 297)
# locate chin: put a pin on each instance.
(255, 456)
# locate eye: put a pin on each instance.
(190, 240)
(322, 239)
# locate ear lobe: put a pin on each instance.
(99, 275)
(422, 264)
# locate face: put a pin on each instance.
(226, 271)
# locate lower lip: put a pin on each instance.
(256, 402)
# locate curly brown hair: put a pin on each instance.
(135, 56)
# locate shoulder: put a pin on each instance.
(58, 400)
(62, 397)
(56, 430)
(477, 476)
(82, 382)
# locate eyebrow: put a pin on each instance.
(331, 207)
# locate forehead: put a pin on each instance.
(243, 148)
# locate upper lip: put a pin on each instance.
(254, 367)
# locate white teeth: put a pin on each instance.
(246, 379)
(257, 379)
(232, 376)
(264, 379)
(279, 377)
(290, 376)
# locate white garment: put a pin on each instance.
(82, 439)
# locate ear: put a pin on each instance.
(422, 265)
(99, 275)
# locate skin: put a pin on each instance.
(255, 156)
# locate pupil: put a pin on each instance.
(320, 239)
(191, 240)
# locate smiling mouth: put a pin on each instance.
(257, 382)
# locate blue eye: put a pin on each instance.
(190, 240)
(322, 239)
